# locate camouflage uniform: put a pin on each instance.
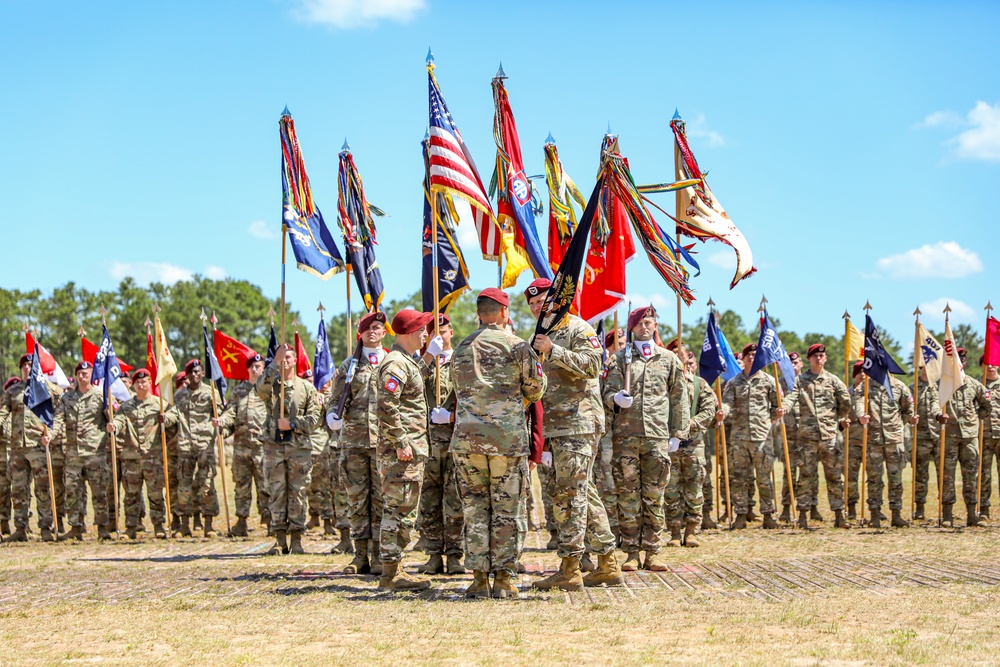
(81, 427)
(928, 439)
(173, 470)
(288, 464)
(402, 420)
(966, 407)
(991, 442)
(750, 404)
(495, 373)
(822, 401)
(885, 439)
(4, 476)
(320, 488)
(440, 517)
(140, 450)
(855, 434)
(547, 483)
(338, 488)
(196, 450)
(243, 419)
(604, 467)
(707, 487)
(684, 496)
(661, 410)
(574, 419)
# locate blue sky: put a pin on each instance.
(855, 144)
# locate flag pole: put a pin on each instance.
(944, 411)
(437, 317)
(350, 325)
(863, 472)
(718, 507)
(163, 431)
(218, 432)
(48, 455)
(784, 433)
(720, 431)
(284, 252)
(845, 495)
(979, 476)
(114, 440)
(916, 411)
(677, 233)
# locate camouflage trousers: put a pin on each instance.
(400, 483)
(683, 498)
(576, 505)
(854, 471)
(441, 518)
(4, 488)
(148, 470)
(812, 453)
(59, 478)
(928, 451)
(889, 457)
(320, 488)
(493, 490)
(341, 506)
(707, 488)
(991, 451)
(113, 508)
(794, 458)
(27, 467)
(965, 453)
(196, 484)
(89, 469)
(174, 472)
(359, 473)
(749, 459)
(248, 472)
(287, 471)
(547, 482)
(642, 469)
(604, 479)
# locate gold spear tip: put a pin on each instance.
(25, 324)
(989, 307)
(763, 300)
(203, 317)
(82, 332)
(710, 302)
(156, 307)
(917, 312)
(321, 308)
(947, 307)
(846, 315)
(868, 305)
(148, 323)
(271, 313)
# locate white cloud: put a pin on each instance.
(961, 312)
(724, 259)
(348, 14)
(698, 129)
(941, 119)
(215, 272)
(145, 273)
(261, 230)
(945, 259)
(982, 140)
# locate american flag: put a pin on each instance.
(453, 172)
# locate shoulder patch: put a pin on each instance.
(392, 383)
(596, 343)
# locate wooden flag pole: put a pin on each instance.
(350, 324)
(163, 434)
(721, 431)
(845, 494)
(218, 435)
(944, 411)
(979, 476)
(718, 508)
(863, 472)
(114, 439)
(48, 456)
(916, 410)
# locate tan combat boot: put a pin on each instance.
(568, 578)
(480, 587)
(296, 545)
(503, 586)
(395, 579)
(804, 519)
(852, 511)
(587, 563)
(654, 563)
(631, 563)
(345, 545)
(692, 527)
(19, 535)
(158, 531)
(185, 527)
(376, 558)
(74, 533)
(815, 515)
(434, 565)
(454, 565)
(328, 528)
(175, 525)
(360, 563)
(47, 535)
(706, 521)
(897, 519)
(751, 517)
(675, 534)
(875, 521)
(131, 533)
(239, 529)
(918, 513)
(786, 514)
(209, 531)
(741, 522)
(769, 522)
(280, 545)
(971, 516)
(608, 573)
(840, 522)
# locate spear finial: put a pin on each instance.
(947, 307)
(868, 306)
(321, 309)
(271, 314)
(710, 304)
(763, 304)
(917, 313)
(500, 73)
(677, 114)
(203, 317)
(549, 139)
(846, 315)
(346, 148)
(988, 308)
(430, 56)
(104, 314)
(149, 323)
(156, 307)
(286, 112)
(214, 320)
(26, 327)
(609, 128)
(295, 323)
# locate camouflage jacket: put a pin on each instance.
(402, 406)
(81, 423)
(244, 417)
(888, 414)
(822, 400)
(750, 404)
(441, 432)
(360, 423)
(928, 409)
(572, 400)
(138, 427)
(791, 421)
(966, 407)
(495, 373)
(321, 436)
(991, 425)
(856, 432)
(661, 406)
(194, 417)
(703, 407)
(301, 407)
(20, 425)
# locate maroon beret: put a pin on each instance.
(254, 358)
(179, 379)
(10, 381)
(609, 338)
(497, 295)
(442, 321)
(407, 321)
(25, 359)
(371, 318)
(82, 366)
(962, 352)
(140, 373)
(638, 314)
(793, 355)
(858, 365)
(537, 286)
(815, 348)
(749, 347)
(191, 365)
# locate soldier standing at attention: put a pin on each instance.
(991, 435)
(196, 450)
(4, 477)
(320, 496)
(854, 436)
(402, 444)
(928, 439)
(495, 374)
(823, 403)
(287, 446)
(574, 421)
(174, 465)
(791, 429)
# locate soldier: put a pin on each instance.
(604, 468)
(991, 435)
(651, 417)
(27, 456)
(81, 426)
(750, 404)
(243, 419)
(4, 476)
(358, 429)
(320, 500)
(928, 439)
(338, 492)
(402, 444)
(293, 411)
(965, 408)
(854, 434)
(684, 498)
(495, 374)
(823, 402)
(574, 421)
(141, 450)
(790, 420)
(440, 516)
(196, 451)
(173, 464)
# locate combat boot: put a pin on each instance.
(751, 517)
(741, 522)
(568, 578)
(265, 521)
(131, 533)
(4, 527)
(175, 524)
(786, 514)
(876, 519)
(608, 573)
(689, 532)
(209, 531)
(313, 522)
(654, 563)
(971, 517)
(376, 558)
(47, 535)
(360, 563)
(707, 523)
(503, 586)
(280, 545)
(296, 545)
(74, 533)
(946, 518)
(919, 512)
(434, 565)
(587, 563)
(984, 513)
(852, 511)
(553, 540)
(196, 525)
(344, 546)
(814, 514)
(158, 530)
(840, 522)
(185, 527)
(395, 579)
(769, 522)
(239, 529)
(60, 528)
(675, 534)
(631, 563)
(422, 544)
(804, 519)
(454, 565)
(103, 534)
(328, 528)
(19, 535)
(480, 587)
(897, 519)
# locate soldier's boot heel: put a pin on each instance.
(706, 521)
(769, 522)
(47, 535)
(503, 586)
(814, 514)
(72, 534)
(103, 533)
(587, 563)
(454, 565)
(786, 514)
(209, 531)
(971, 516)
(296, 546)
(360, 563)
(328, 528)
(376, 559)
(690, 531)
(741, 522)
(946, 516)
(675, 534)
(918, 513)
(480, 587)
(345, 545)
(158, 531)
(131, 533)
(608, 572)
(280, 545)
(185, 527)
(568, 578)
(434, 565)
(313, 522)
(876, 518)
(239, 529)
(553, 542)
(631, 563)
(852, 511)
(897, 519)
(197, 521)
(803, 519)
(394, 578)
(840, 522)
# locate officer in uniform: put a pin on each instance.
(991, 435)
(928, 440)
(173, 463)
(196, 448)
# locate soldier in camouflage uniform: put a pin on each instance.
(338, 492)
(574, 421)
(823, 402)
(440, 517)
(243, 419)
(854, 435)
(991, 436)
(4, 475)
(750, 405)
(140, 449)
(547, 483)
(287, 446)
(320, 487)
(965, 408)
(27, 456)
(173, 464)
(196, 449)
(358, 430)
(928, 439)
(651, 420)
(402, 444)
(791, 429)
(495, 374)
(604, 464)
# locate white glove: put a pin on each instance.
(334, 423)
(435, 346)
(623, 399)
(673, 444)
(547, 459)
(440, 416)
